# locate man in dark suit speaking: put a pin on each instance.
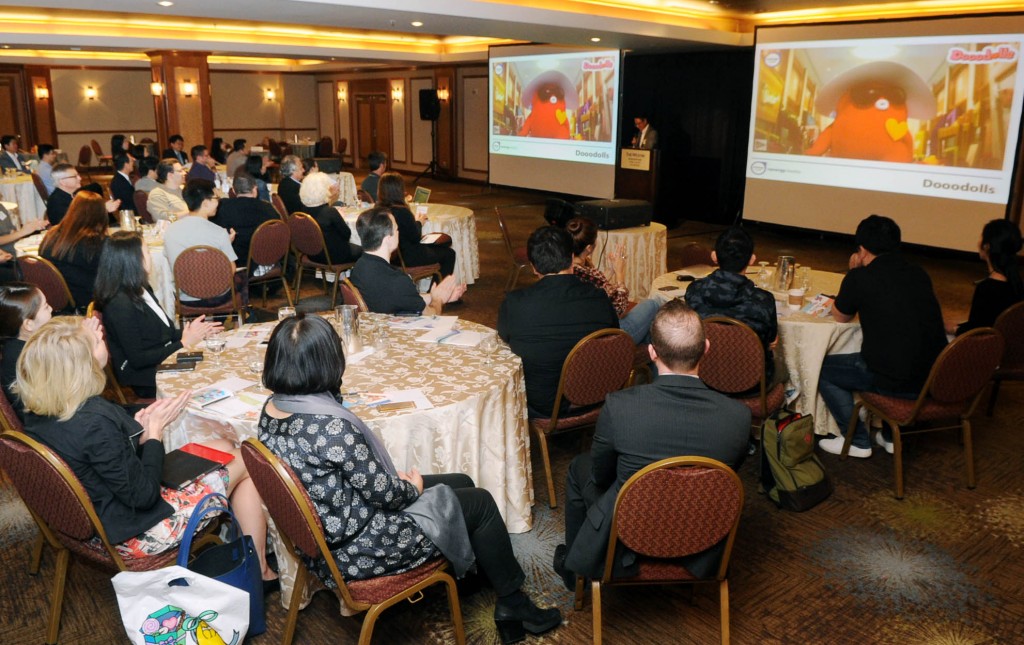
(673, 416)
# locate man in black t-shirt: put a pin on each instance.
(902, 325)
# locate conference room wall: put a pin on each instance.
(241, 111)
(123, 105)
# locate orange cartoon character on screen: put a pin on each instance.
(551, 96)
(871, 104)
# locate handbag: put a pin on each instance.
(234, 563)
(164, 606)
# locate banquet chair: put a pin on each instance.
(66, 518)
(350, 295)
(302, 532)
(601, 363)
(307, 241)
(421, 271)
(342, 148)
(43, 274)
(9, 421)
(101, 159)
(734, 365)
(693, 254)
(84, 166)
(325, 148)
(516, 254)
(366, 197)
(37, 181)
(141, 198)
(955, 385)
(279, 206)
(670, 509)
(1010, 324)
(269, 247)
(204, 272)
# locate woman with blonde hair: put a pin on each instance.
(319, 192)
(119, 459)
(74, 246)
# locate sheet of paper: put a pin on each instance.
(452, 337)
(352, 359)
(399, 396)
(422, 322)
(244, 337)
(430, 238)
(234, 384)
(244, 405)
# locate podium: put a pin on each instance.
(636, 175)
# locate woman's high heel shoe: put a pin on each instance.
(517, 615)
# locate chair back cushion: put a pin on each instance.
(598, 365)
(342, 146)
(46, 485)
(326, 147)
(270, 243)
(693, 254)
(1011, 324)
(84, 156)
(674, 512)
(307, 237)
(203, 272)
(96, 147)
(966, 365)
(279, 206)
(284, 496)
(40, 187)
(735, 360)
(42, 273)
(350, 295)
(141, 198)
(10, 418)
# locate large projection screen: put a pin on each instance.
(554, 119)
(916, 120)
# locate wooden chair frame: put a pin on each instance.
(249, 263)
(516, 266)
(357, 296)
(417, 273)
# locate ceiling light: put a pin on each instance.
(595, 39)
(165, 3)
(416, 23)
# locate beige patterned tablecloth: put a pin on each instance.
(805, 340)
(22, 191)
(460, 224)
(347, 183)
(645, 248)
(477, 425)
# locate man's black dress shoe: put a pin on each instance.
(519, 615)
(568, 577)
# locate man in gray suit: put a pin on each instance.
(10, 158)
(675, 415)
(646, 137)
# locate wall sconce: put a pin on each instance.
(341, 94)
(442, 94)
(42, 93)
(156, 89)
(269, 94)
(396, 93)
(91, 93)
(188, 88)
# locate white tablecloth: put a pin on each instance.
(23, 192)
(347, 182)
(804, 340)
(645, 248)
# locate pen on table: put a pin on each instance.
(448, 335)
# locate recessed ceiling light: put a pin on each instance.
(165, 3)
(416, 23)
(595, 39)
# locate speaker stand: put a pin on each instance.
(432, 169)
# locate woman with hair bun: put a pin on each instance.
(999, 245)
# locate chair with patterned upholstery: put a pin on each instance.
(141, 198)
(420, 271)
(303, 534)
(269, 248)
(308, 241)
(673, 508)
(695, 254)
(734, 366)
(955, 384)
(279, 206)
(43, 274)
(9, 421)
(37, 181)
(65, 517)
(366, 197)
(101, 159)
(204, 272)
(601, 363)
(516, 254)
(350, 295)
(325, 148)
(1010, 324)
(84, 166)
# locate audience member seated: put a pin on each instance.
(292, 174)
(391, 194)
(309, 165)
(243, 213)
(121, 187)
(543, 322)
(23, 310)
(60, 378)
(675, 415)
(120, 145)
(236, 160)
(47, 157)
(68, 184)
(219, 150)
(195, 229)
(728, 292)
(256, 167)
(10, 158)
(76, 244)
(200, 168)
(147, 175)
(175, 150)
(318, 193)
(999, 245)
(8, 236)
(636, 321)
(378, 162)
(386, 288)
(348, 473)
(140, 334)
(165, 201)
(902, 326)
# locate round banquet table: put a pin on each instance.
(804, 339)
(477, 424)
(22, 191)
(349, 193)
(645, 248)
(460, 224)
(303, 149)
(161, 279)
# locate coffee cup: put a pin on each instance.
(796, 298)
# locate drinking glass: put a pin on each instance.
(489, 345)
(285, 312)
(215, 346)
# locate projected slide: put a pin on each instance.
(932, 116)
(559, 106)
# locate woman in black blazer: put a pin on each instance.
(139, 333)
(391, 193)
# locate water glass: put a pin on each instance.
(285, 312)
(215, 347)
(489, 345)
(256, 367)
